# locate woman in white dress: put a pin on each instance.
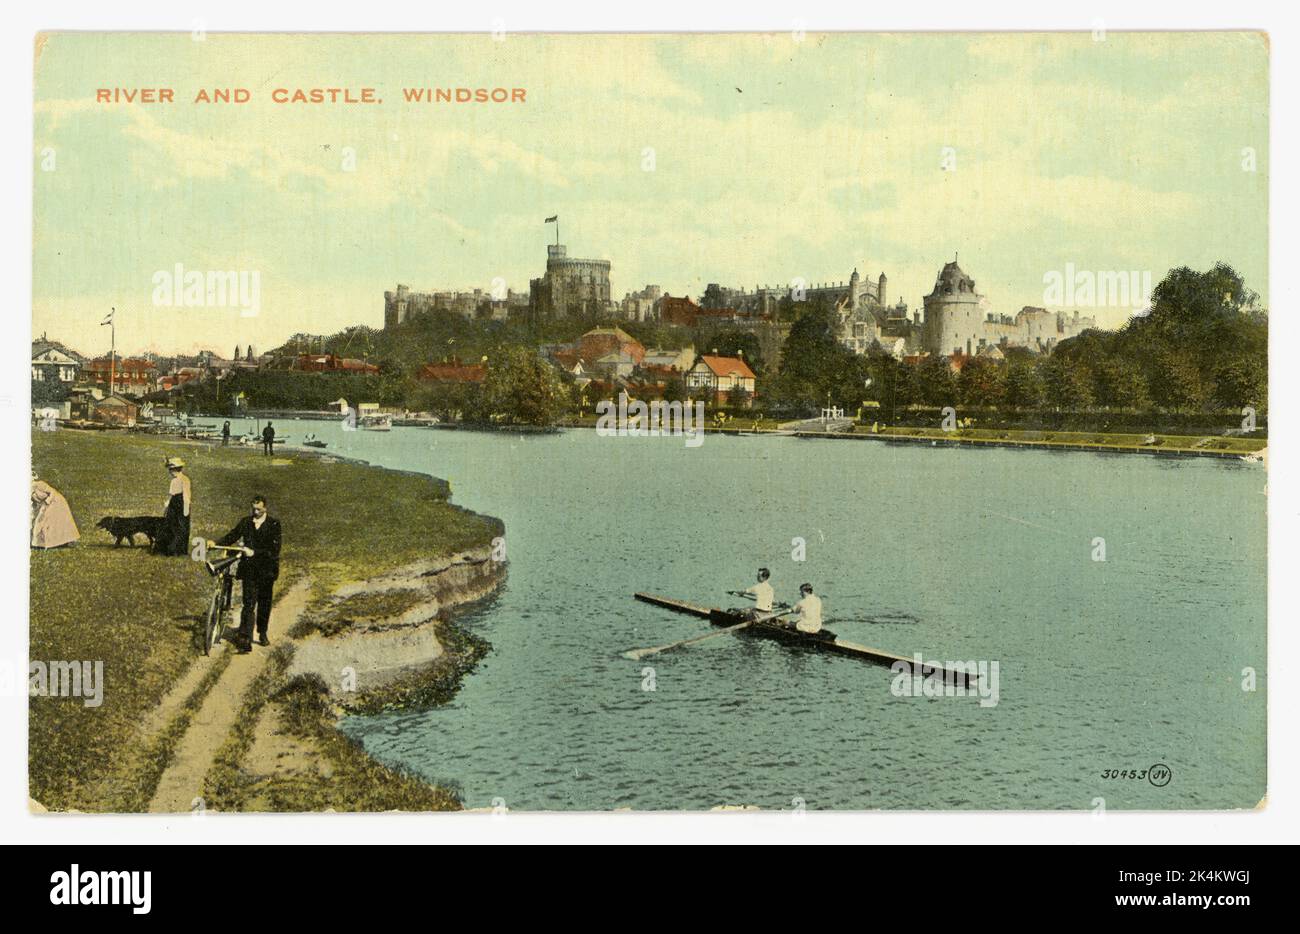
(52, 522)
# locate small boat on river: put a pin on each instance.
(824, 641)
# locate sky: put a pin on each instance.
(740, 159)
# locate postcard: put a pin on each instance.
(649, 422)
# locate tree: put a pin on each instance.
(1175, 382)
(1120, 384)
(935, 383)
(982, 383)
(892, 383)
(816, 367)
(1024, 383)
(1187, 306)
(522, 388)
(394, 389)
(1203, 342)
(447, 399)
(1241, 379)
(1067, 385)
(48, 392)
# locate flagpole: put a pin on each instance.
(112, 347)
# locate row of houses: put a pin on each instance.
(610, 359)
(54, 363)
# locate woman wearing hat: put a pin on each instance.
(175, 539)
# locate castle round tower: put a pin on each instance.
(853, 290)
(954, 314)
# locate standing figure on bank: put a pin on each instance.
(259, 533)
(268, 440)
(225, 433)
(175, 539)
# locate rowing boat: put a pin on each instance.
(823, 641)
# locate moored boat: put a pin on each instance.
(375, 423)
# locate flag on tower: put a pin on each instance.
(108, 319)
(553, 219)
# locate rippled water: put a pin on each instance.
(958, 554)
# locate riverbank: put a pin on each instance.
(345, 524)
(1161, 444)
(1224, 446)
(1234, 447)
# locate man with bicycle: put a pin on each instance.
(259, 533)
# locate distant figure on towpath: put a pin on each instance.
(268, 440)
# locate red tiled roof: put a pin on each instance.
(727, 366)
(600, 342)
(452, 372)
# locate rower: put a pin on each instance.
(762, 593)
(809, 609)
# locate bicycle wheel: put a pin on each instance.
(212, 624)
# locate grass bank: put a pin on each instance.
(139, 613)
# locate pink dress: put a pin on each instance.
(52, 522)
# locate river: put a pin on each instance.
(960, 554)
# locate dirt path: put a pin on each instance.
(182, 782)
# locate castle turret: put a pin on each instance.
(954, 314)
(880, 290)
(853, 290)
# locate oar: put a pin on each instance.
(637, 654)
(750, 596)
(899, 619)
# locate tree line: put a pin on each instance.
(1201, 346)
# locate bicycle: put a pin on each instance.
(222, 596)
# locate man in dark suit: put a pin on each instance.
(260, 535)
(268, 440)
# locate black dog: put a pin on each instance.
(120, 527)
